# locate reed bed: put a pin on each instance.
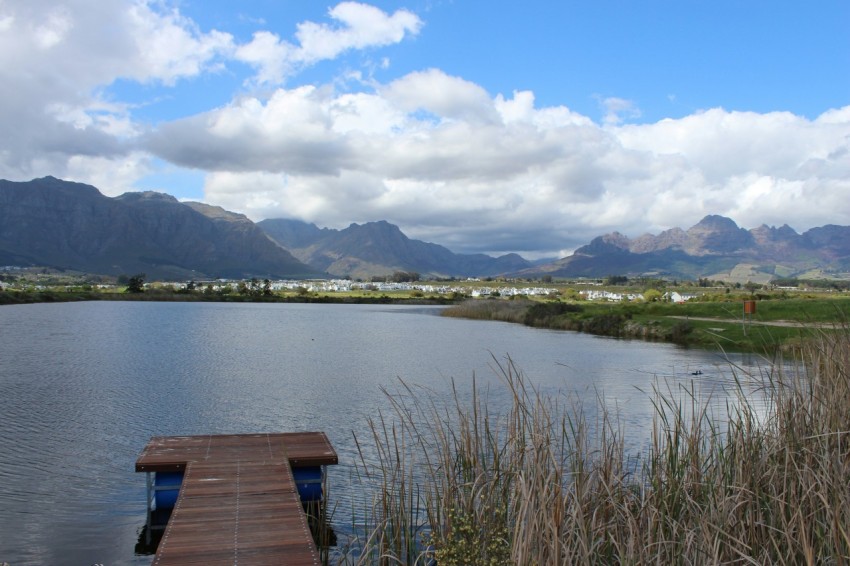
(491, 309)
(539, 484)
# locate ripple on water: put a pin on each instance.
(85, 385)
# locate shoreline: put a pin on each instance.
(667, 323)
(27, 298)
(685, 325)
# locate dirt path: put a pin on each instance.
(785, 323)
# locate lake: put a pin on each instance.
(83, 386)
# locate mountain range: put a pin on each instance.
(54, 223)
(715, 248)
(380, 248)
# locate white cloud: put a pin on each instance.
(435, 153)
(479, 172)
(54, 29)
(835, 116)
(58, 60)
(291, 132)
(723, 143)
(440, 94)
(112, 176)
(55, 61)
(618, 110)
(518, 109)
(361, 26)
(364, 114)
(273, 58)
(6, 21)
(170, 46)
(146, 42)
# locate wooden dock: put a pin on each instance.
(238, 502)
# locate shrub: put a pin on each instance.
(604, 324)
(541, 314)
(681, 331)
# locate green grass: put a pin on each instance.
(673, 322)
(808, 309)
(731, 331)
(732, 337)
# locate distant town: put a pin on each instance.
(469, 287)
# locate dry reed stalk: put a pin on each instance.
(539, 485)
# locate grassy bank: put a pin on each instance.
(534, 486)
(56, 296)
(30, 297)
(777, 324)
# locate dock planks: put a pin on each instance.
(238, 503)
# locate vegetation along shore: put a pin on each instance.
(762, 482)
(697, 314)
(551, 481)
(779, 323)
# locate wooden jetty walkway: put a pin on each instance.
(238, 503)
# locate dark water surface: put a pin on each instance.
(83, 386)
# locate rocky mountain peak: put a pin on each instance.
(614, 242)
(674, 238)
(716, 234)
(381, 248)
(831, 239)
(216, 212)
(765, 234)
(145, 196)
(714, 223)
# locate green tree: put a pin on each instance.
(652, 283)
(403, 276)
(255, 289)
(188, 289)
(136, 283)
(652, 295)
(571, 294)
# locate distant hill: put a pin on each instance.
(55, 223)
(380, 248)
(715, 248)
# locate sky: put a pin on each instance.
(484, 126)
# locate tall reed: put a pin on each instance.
(542, 484)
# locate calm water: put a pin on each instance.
(83, 386)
